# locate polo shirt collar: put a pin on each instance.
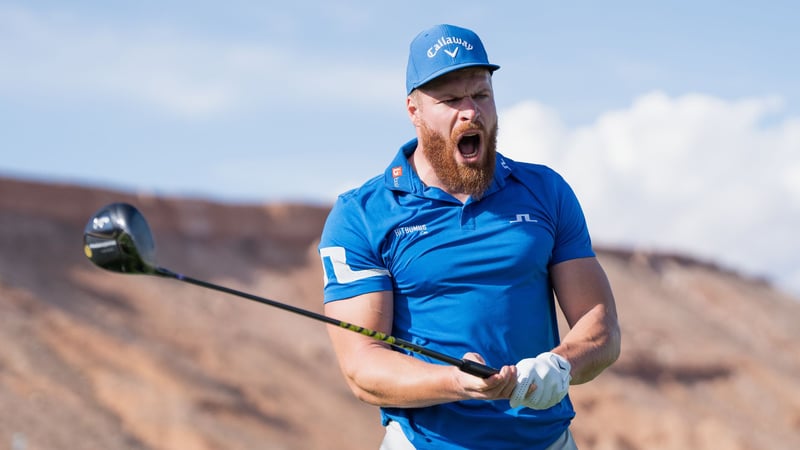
(401, 177)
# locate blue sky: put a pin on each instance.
(678, 124)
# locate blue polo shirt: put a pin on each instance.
(466, 277)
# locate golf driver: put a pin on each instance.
(117, 238)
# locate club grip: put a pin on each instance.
(477, 369)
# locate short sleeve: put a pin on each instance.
(348, 249)
(572, 234)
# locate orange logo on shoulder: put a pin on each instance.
(397, 171)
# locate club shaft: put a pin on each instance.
(465, 365)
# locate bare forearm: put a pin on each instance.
(591, 345)
(593, 341)
(387, 378)
(381, 376)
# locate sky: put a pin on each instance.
(676, 123)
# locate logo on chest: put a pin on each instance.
(411, 229)
(523, 218)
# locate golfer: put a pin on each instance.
(459, 249)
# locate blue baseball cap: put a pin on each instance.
(442, 49)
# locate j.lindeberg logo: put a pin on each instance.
(523, 218)
(443, 41)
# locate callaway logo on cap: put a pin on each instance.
(442, 49)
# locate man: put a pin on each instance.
(463, 251)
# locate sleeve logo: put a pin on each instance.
(335, 259)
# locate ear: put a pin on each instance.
(412, 108)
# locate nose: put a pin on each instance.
(469, 110)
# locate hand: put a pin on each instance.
(548, 376)
(495, 387)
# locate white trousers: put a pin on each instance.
(395, 439)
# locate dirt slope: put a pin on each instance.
(92, 359)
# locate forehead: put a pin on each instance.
(469, 77)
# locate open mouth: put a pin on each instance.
(469, 145)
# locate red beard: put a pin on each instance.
(472, 179)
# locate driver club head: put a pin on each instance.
(117, 238)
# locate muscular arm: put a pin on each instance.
(585, 297)
(381, 376)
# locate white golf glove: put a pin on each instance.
(550, 373)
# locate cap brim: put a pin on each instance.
(448, 69)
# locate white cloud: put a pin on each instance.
(715, 178)
(66, 57)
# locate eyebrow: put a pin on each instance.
(444, 91)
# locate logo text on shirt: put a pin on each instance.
(403, 231)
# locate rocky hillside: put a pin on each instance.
(95, 360)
